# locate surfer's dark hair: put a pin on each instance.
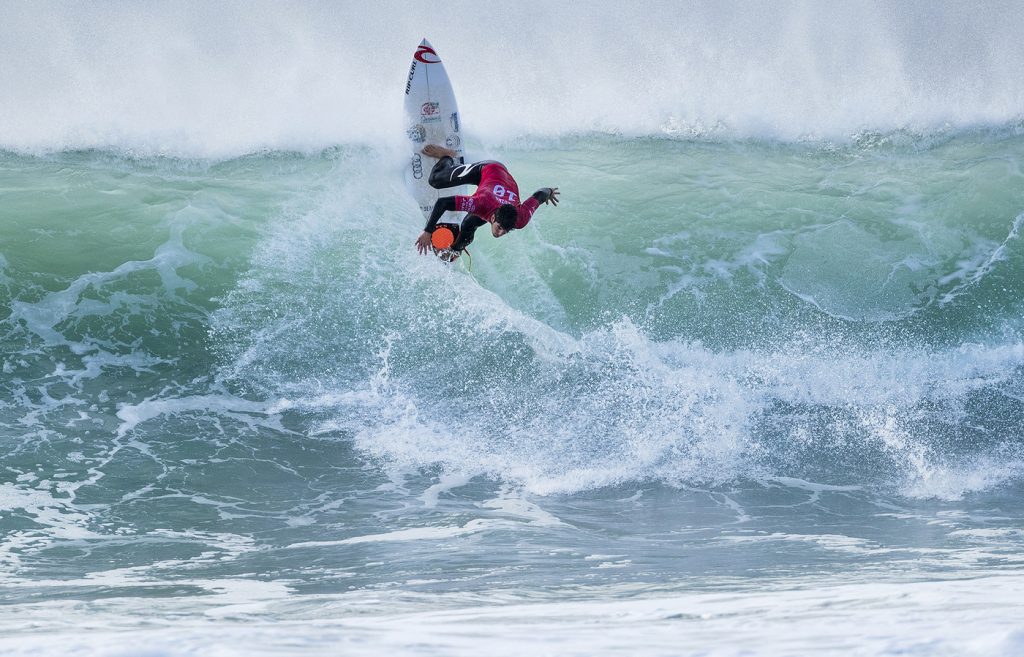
(506, 217)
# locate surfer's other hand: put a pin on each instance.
(423, 242)
(553, 196)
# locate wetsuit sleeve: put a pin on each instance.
(444, 204)
(526, 210)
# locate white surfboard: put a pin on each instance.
(432, 117)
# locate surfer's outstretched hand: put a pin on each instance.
(552, 196)
(423, 242)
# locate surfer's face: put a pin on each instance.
(497, 230)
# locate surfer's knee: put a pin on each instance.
(441, 173)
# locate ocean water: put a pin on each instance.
(755, 387)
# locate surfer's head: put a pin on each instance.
(504, 220)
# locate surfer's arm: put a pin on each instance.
(444, 204)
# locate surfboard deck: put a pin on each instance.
(432, 117)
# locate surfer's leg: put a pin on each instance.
(446, 173)
(441, 174)
(466, 232)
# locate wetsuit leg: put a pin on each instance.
(467, 231)
(447, 173)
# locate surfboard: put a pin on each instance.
(432, 117)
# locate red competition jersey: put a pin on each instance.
(497, 187)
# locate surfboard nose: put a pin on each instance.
(425, 53)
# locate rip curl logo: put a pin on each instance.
(468, 204)
(427, 55)
(408, 83)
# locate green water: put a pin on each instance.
(236, 380)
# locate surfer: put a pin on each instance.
(496, 200)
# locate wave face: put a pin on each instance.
(718, 313)
(697, 313)
(221, 80)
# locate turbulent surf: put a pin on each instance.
(765, 361)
